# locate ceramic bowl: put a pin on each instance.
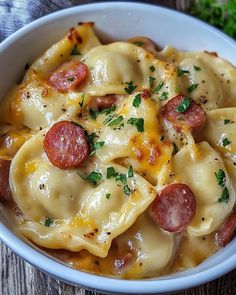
(117, 21)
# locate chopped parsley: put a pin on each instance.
(91, 138)
(111, 172)
(226, 121)
(108, 195)
(151, 81)
(137, 100)
(82, 102)
(71, 79)
(138, 123)
(196, 68)
(130, 171)
(93, 113)
(164, 96)
(181, 72)
(184, 105)
(138, 43)
(130, 88)
(108, 119)
(109, 110)
(224, 196)
(97, 146)
(220, 177)
(94, 177)
(225, 142)
(192, 87)
(152, 68)
(121, 177)
(116, 121)
(127, 190)
(75, 51)
(48, 222)
(158, 88)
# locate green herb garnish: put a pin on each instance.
(131, 87)
(116, 121)
(111, 172)
(94, 177)
(93, 113)
(137, 100)
(225, 142)
(184, 105)
(181, 72)
(220, 177)
(82, 102)
(226, 121)
(152, 68)
(91, 138)
(196, 68)
(75, 51)
(127, 190)
(158, 88)
(97, 146)
(121, 177)
(151, 81)
(224, 196)
(138, 43)
(130, 171)
(71, 79)
(192, 87)
(108, 195)
(137, 122)
(48, 222)
(164, 96)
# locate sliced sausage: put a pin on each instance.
(174, 208)
(227, 231)
(68, 76)
(66, 145)
(5, 191)
(193, 118)
(103, 102)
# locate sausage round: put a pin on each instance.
(68, 76)
(103, 102)
(193, 118)
(66, 145)
(174, 208)
(227, 231)
(5, 191)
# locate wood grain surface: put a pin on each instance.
(18, 277)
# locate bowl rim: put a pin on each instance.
(81, 278)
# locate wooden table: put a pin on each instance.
(20, 278)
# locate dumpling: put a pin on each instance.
(63, 210)
(197, 166)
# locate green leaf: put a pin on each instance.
(82, 102)
(196, 68)
(138, 43)
(116, 121)
(152, 68)
(137, 100)
(226, 121)
(138, 122)
(71, 79)
(158, 88)
(130, 171)
(151, 81)
(224, 196)
(97, 146)
(91, 138)
(93, 113)
(48, 222)
(127, 190)
(131, 87)
(94, 177)
(192, 87)
(225, 142)
(121, 177)
(111, 172)
(164, 96)
(220, 177)
(75, 51)
(108, 195)
(181, 72)
(184, 105)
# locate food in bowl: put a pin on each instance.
(119, 159)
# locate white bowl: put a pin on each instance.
(119, 20)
